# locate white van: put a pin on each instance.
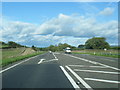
(68, 50)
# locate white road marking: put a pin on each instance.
(96, 71)
(40, 61)
(79, 78)
(101, 80)
(109, 66)
(17, 64)
(109, 60)
(93, 62)
(54, 55)
(106, 59)
(69, 78)
(50, 60)
(86, 66)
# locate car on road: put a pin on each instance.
(68, 50)
(50, 52)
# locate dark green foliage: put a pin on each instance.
(97, 43)
(2, 43)
(14, 44)
(59, 47)
(10, 44)
(115, 47)
(81, 46)
(35, 48)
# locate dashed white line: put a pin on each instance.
(79, 78)
(69, 78)
(93, 62)
(96, 71)
(54, 55)
(101, 80)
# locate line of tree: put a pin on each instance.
(59, 47)
(93, 43)
(11, 44)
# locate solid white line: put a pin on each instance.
(40, 61)
(69, 78)
(93, 62)
(16, 64)
(96, 71)
(101, 80)
(78, 77)
(87, 66)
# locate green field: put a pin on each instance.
(2, 46)
(107, 53)
(15, 54)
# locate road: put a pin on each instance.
(59, 70)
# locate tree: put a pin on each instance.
(97, 43)
(34, 48)
(81, 46)
(14, 44)
(2, 43)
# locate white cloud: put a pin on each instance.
(72, 29)
(107, 11)
(78, 26)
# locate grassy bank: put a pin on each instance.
(108, 53)
(13, 52)
(16, 54)
(18, 58)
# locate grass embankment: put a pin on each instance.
(12, 55)
(3, 46)
(108, 53)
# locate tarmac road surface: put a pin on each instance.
(60, 70)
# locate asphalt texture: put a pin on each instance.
(43, 71)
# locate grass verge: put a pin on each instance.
(18, 58)
(99, 54)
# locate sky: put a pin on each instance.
(50, 23)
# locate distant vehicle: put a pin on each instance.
(50, 52)
(68, 50)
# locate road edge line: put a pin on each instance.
(79, 78)
(69, 77)
(17, 64)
